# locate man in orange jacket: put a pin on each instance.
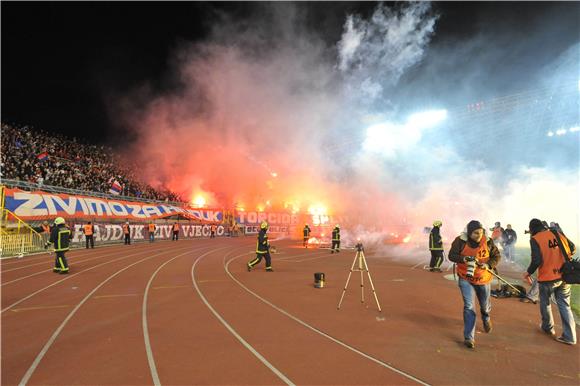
(89, 231)
(475, 255)
(127, 233)
(547, 259)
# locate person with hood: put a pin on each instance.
(60, 237)
(510, 239)
(436, 247)
(475, 255)
(547, 258)
(262, 249)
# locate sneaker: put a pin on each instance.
(548, 332)
(562, 340)
(56, 270)
(528, 300)
(487, 326)
(269, 270)
(469, 343)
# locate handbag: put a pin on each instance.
(571, 267)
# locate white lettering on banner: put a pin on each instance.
(151, 210)
(262, 217)
(99, 206)
(84, 206)
(49, 204)
(271, 218)
(220, 231)
(77, 233)
(70, 208)
(28, 208)
(185, 230)
(252, 217)
(118, 209)
(205, 230)
(136, 211)
(166, 231)
(242, 216)
(197, 231)
(138, 232)
(117, 232)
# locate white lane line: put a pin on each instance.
(56, 333)
(316, 253)
(70, 277)
(148, 349)
(50, 257)
(418, 264)
(234, 333)
(320, 332)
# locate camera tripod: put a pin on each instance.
(362, 267)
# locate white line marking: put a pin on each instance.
(42, 352)
(148, 349)
(320, 332)
(418, 264)
(233, 332)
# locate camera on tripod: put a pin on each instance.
(359, 247)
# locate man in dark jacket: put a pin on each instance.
(547, 258)
(475, 255)
(436, 247)
(335, 240)
(306, 234)
(60, 237)
(262, 249)
(510, 239)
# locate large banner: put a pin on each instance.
(44, 206)
(281, 223)
(114, 232)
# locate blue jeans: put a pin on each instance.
(483, 296)
(509, 251)
(561, 291)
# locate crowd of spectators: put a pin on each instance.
(36, 156)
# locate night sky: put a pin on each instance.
(61, 61)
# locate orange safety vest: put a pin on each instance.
(552, 257)
(151, 227)
(481, 252)
(125, 228)
(45, 228)
(175, 227)
(213, 228)
(88, 230)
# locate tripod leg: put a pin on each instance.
(372, 285)
(362, 287)
(346, 285)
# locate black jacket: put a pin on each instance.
(60, 237)
(262, 245)
(435, 240)
(510, 236)
(306, 231)
(336, 234)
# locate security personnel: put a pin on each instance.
(335, 239)
(306, 233)
(547, 258)
(262, 249)
(127, 233)
(151, 228)
(436, 247)
(474, 255)
(212, 229)
(497, 234)
(175, 232)
(60, 237)
(45, 231)
(89, 231)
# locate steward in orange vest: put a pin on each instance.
(547, 259)
(89, 231)
(212, 229)
(175, 232)
(475, 255)
(127, 233)
(151, 228)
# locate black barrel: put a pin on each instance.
(319, 280)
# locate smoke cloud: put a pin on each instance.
(267, 114)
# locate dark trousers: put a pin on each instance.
(175, 236)
(212, 235)
(436, 259)
(335, 246)
(90, 239)
(151, 237)
(60, 263)
(127, 238)
(305, 243)
(258, 258)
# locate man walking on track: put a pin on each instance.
(549, 248)
(151, 228)
(175, 232)
(475, 256)
(127, 233)
(60, 237)
(306, 233)
(212, 229)
(89, 231)
(262, 249)
(436, 247)
(335, 240)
